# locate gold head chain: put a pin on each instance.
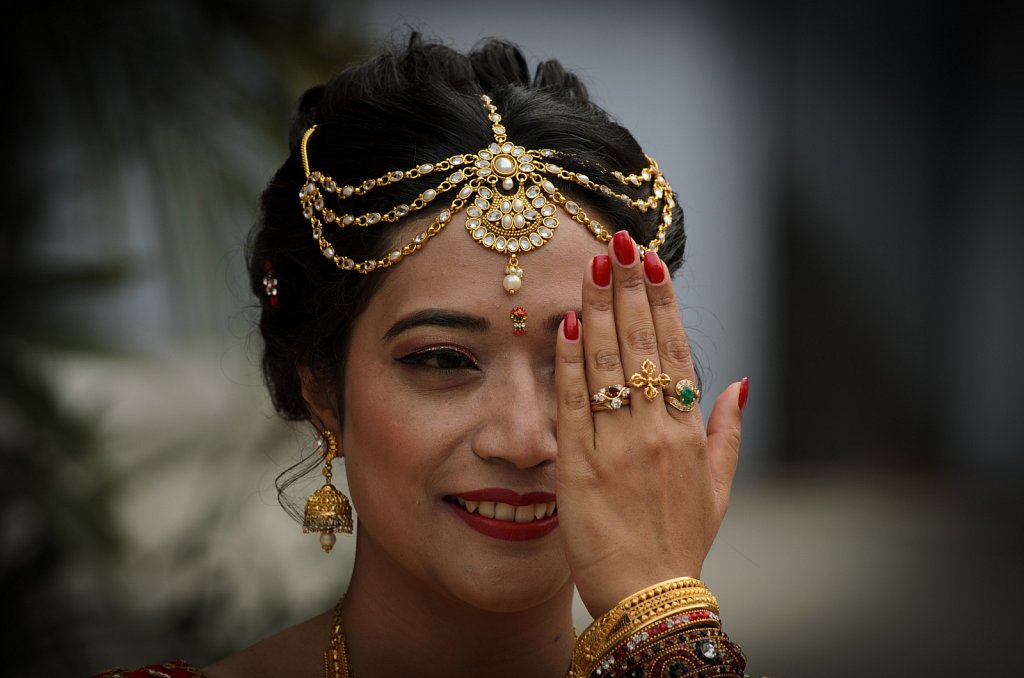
(507, 192)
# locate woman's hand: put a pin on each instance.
(642, 489)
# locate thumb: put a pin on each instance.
(724, 427)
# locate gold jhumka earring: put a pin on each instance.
(328, 511)
(506, 190)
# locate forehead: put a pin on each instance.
(453, 271)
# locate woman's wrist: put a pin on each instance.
(674, 621)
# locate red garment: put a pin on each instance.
(175, 669)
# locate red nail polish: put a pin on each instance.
(652, 267)
(744, 387)
(601, 268)
(572, 326)
(625, 251)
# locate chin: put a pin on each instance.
(512, 600)
(513, 585)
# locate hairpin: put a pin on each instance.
(270, 283)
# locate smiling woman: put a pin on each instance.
(500, 453)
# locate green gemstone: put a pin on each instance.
(686, 395)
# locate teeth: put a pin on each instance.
(504, 511)
(500, 511)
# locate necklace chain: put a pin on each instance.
(336, 656)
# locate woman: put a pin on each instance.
(464, 275)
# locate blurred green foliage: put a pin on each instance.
(153, 123)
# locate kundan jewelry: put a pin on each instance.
(610, 640)
(327, 510)
(270, 283)
(507, 192)
(652, 383)
(518, 317)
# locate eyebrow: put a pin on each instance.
(433, 317)
(554, 320)
(437, 318)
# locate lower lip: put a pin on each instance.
(507, 530)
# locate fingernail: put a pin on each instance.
(571, 328)
(744, 388)
(625, 251)
(652, 268)
(601, 267)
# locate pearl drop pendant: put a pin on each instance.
(327, 541)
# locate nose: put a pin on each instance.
(517, 419)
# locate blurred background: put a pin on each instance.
(852, 178)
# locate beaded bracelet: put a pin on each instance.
(689, 644)
(671, 625)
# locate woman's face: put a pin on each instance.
(449, 422)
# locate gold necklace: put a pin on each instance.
(336, 656)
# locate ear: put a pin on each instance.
(323, 406)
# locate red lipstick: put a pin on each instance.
(506, 529)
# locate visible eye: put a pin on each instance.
(441, 358)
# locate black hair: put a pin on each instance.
(414, 104)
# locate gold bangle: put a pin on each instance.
(643, 608)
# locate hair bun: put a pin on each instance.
(305, 117)
(499, 63)
(551, 74)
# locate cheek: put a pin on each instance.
(374, 424)
(377, 454)
(392, 439)
(375, 407)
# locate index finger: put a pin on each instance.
(575, 423)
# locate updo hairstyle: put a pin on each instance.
(408, 106)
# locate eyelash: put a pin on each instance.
(420, 358)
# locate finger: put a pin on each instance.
(724, 435)
(601, 346)
(673, 346)
(574, 428)
(636, 336)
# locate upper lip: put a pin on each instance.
(506, 496)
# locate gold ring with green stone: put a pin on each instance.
(688, 396)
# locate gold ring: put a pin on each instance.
(609, 398)
(688, 396)
(652, 383)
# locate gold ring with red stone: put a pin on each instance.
(609, 398)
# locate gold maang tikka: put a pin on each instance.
(327, 510)
(506, 190)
